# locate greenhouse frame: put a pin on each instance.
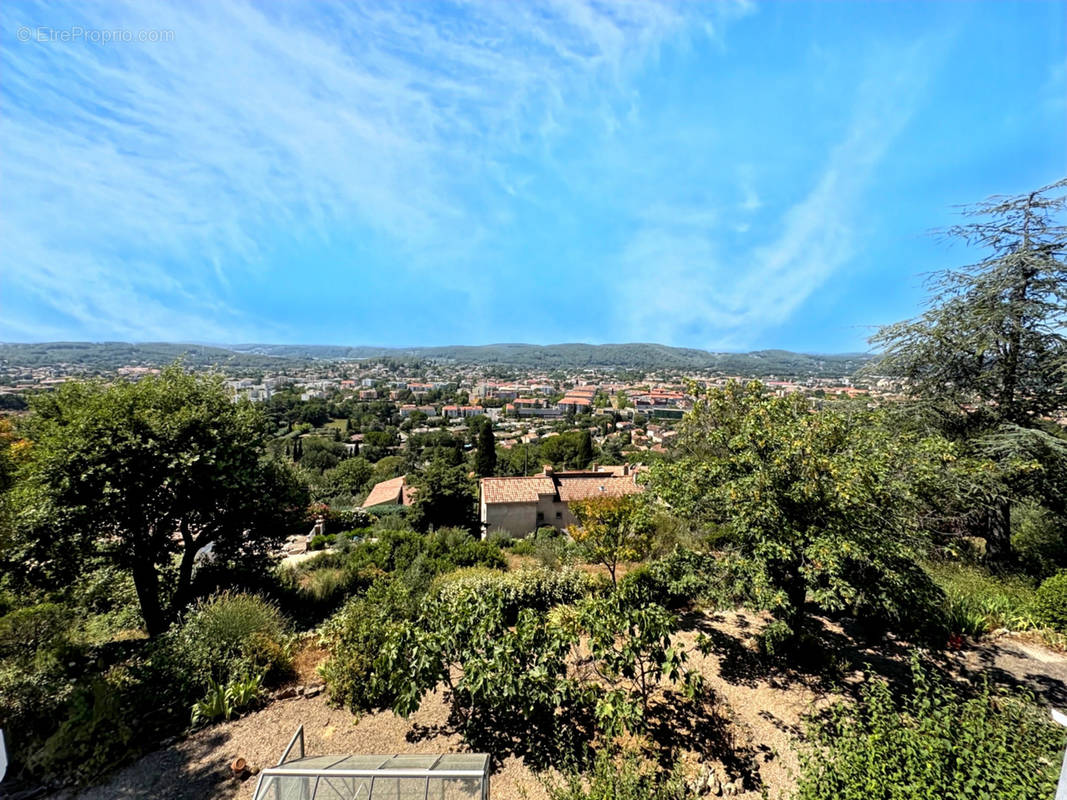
(450, 776)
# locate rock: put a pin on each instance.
(314, 691)
(285, 693)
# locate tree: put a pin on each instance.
(348, 477)
(320, 454)
(584, 454)
(612, 530)
(485, 463)
(444, 497)
(632, 655)
(146, 475)
(386, 468)
(992, 346)
(808, 504)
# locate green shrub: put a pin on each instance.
(1051, 601)
(934, 743)
(33, 632)
(977, 602)
(107, 595)
(1038, 539)
(225, 702)
(500, 538)
(113, 717)
(30, 702)
(354, 637)
(523, 547)
(539, 589)
(231, 634)
(678, 579)
(624, 776)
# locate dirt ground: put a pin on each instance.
(746, 734)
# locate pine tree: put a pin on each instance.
(991, 348)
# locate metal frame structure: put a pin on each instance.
(407, 776)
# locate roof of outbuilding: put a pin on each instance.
(390, 491)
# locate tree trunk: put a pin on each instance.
(185, 578)
(998, 532)
(146, 582)
(797, 592)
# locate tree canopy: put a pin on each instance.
(148, 474)
(811, 504)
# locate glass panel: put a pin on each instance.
(462, 761)
(340, 788)
(399, 789)
(286, 787)
(362, 762)
(455, 789)
(315, 762)
(410, 761)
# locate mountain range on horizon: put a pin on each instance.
(638, 355)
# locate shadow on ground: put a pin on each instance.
(836, 655)
(181, 772)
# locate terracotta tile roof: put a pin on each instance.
(390, 491)
(516, 490)
(586, 486)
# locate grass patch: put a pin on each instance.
(979, 602)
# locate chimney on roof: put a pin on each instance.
(548, 469)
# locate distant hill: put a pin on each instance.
(111, 355)
(576, 356)
(640, 356)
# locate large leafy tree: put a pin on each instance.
(147, 475)
(991, 348)
(811, 505)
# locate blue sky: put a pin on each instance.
(729, 176)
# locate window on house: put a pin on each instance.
(559, 515)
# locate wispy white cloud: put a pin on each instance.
(147, 176)
(691, 282)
